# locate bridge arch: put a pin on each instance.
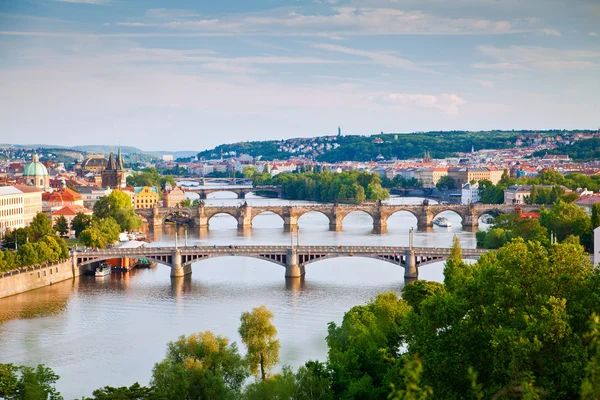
(307, 213)
(209, 193)
(279, 260)
(178, 216)
(449, 211)
(268, 213)
(402, 211)
(165, 261)
(221, 213)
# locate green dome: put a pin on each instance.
(35, 168)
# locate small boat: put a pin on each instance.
(144, 263)
(102, 270)
(442, 221)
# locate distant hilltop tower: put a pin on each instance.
(339, 131)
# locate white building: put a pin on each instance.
(11, 209)
(470, 193)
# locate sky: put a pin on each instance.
(189, 75)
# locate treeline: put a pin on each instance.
(494, 194)
(562, 221)
(32, 245)
(151, 177)
(520, 323)
(267, 150)
(348, 186)
(582, 150)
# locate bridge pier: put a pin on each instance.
(245, 217)
(290, 222)
(410, 268)
(425, 219)
(470, 220)
(176, 268)
(241, 194)
(380, 225)
(292, 269)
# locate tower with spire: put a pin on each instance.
(112, 175)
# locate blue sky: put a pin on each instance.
(188, 75)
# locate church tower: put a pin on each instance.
(112, 175)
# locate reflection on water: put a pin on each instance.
(114, 329)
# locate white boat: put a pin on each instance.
(442, 221)
(102, 270)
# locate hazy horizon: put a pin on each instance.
(180, 76)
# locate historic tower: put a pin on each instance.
(112, 175)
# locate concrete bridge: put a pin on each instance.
(239, 191)
(292, 258)
(244, 214)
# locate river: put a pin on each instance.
(111, 331)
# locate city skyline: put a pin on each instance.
(79, 72)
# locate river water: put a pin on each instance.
(110, 331)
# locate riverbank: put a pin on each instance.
(35, 277)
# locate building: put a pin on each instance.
(36, 174)
(466, 175)
(173, 197)
(94, 163)
(145, 197)
(113, 176)
(64, 197)
(517, 194)
(32, 202)
(69, 212)
(429, 177)
(470, 193)
(92, 194)
(11, 209)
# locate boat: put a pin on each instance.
(102, 270)
(144, 263)
(442, 221)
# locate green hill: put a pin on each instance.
(582, 150)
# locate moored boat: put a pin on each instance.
(102, 270)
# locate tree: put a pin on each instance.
(186, 203)
(590, 386)
(40, 227)
(134, 392)
(565, 219)
(200, 366)
(118, 206)
(80, 222)
(595, 215)
(61, 225)
(26, 383)
(445, 183)
(259, 335)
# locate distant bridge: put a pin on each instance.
(241, 192)
(244, 214)
(204, 181)
(293, 259)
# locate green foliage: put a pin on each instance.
(327, 186)
(582, 150)
(117, 205)
(566, 219)
(61, 225)
(26, 383)
(590, 385)
(416, 292)
(80, 222)
(40, 227)
(490, 193)
(445, 183)
(200, 366)
(279, 387)
(150, 177)
(545, 195)
(134, 392)
(595, 215)
(364, 349)
(259, 335)
(101, 233)
(516, 316)
(508, 227)
(413, 390)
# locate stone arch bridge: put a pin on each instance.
(241, 192)
(293, 259)
(244, 214)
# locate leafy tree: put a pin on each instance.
(118, 206)
(26, 383)
(412, 390)
(313, 381)
(150, 177)
(565, 219)
(364, 350)
(445, 183)
(61, 225)
(27, 254)
(595, 215)
(590, 386)
(259, 335)
(416, 292)
(280, 386)
(134, 392)
(101, 233)
(490, 193)
(40, 227)
(16, 237)
(200, 366)
(186, 203)
(80, 222)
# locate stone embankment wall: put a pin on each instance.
(29, 278)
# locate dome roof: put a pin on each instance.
(35, 168)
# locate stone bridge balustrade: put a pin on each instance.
(244, 214)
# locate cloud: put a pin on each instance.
(341, 21)
(594, 34)
(385, 59)
(446, 103)
(96, 2)
(550, 32)
(528, 57)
